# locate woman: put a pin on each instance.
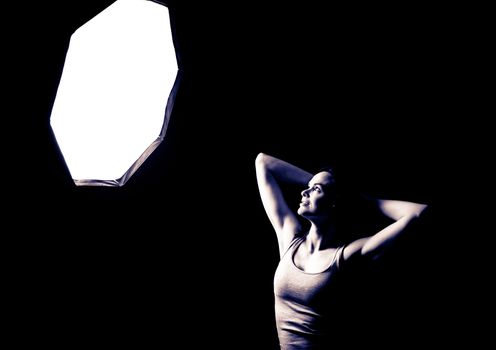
(314, 260)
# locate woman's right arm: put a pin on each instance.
(271, 173)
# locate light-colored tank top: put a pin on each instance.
(304, 301)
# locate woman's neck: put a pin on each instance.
(322, 237)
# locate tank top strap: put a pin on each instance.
(297, 239)
(339, 257)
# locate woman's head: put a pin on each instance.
(318, 200)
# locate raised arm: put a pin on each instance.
(271, 173)
(402, 212)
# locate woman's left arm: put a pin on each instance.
(402, 212)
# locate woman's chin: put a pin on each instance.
(301, 211)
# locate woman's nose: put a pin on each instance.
(304, 193)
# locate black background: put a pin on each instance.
(183, 252)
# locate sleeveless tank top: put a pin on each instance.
(304, 301)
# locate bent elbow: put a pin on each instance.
(261, 160)
(420, 209)
(259, 157)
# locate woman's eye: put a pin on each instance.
(316, 189)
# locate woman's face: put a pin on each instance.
(318, 198)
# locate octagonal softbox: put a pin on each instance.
(116, 92)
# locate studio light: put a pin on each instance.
(116, 92)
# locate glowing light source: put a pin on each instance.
(116, 92)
